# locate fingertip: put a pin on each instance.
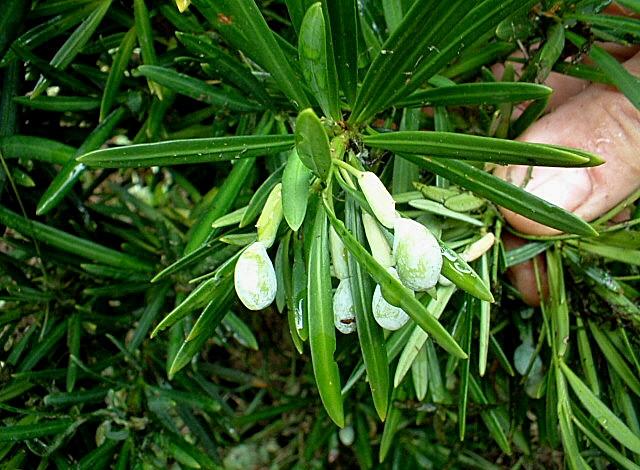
(523, 276)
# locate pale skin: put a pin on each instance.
(595, 118)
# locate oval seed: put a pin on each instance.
(386, 315)
(417, 255)
(255, 278)
(338, 255)
(344, 314)
(381, 202)
(377, 242)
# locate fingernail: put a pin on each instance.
(568, 188)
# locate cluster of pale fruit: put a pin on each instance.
(414, 258)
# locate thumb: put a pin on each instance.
(600, 120)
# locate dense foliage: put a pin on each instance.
(141, 142)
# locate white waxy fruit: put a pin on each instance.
(379, 199)
(338, 255)
(386, 315)
(254, 277)
(417, 255)
(377, 242)
(344, 312)
(271, 216)
(347, 435)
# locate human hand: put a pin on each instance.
(596, 118)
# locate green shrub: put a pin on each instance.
(141, 145)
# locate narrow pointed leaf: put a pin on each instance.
(489, 416)
(505, 194)
(420, 374)
(10, 21)
(74, 44)
(476, 148)
(72, 170)
(259, 198)
(556, 305)
(615, 360)
(476, 94)
(322, 336)
(46, 31)
(419, 337)
(605, 417)
(243, 26)
(439, 209)
(620, 24)
(438, 32)
(224, 66)
(603, 445)
(21, 432)
(59, 103)
(485, 321)
(200, 296)
(343, 24)
(627, 83)
(389, 432)
(471, 310)
(297, 9)
(156, 297)
(202, 230)
(225, 97)
(406, 173)
(70, 243)
(116, 74)
(316, 60)
(74, 332)
(458, 271)
(176, 152)
(145, 33)
(55, 75)
(36, 148)
(370, 334)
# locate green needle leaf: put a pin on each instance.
(476, 148)
(437, 33)
(36, 148)
(370, 334)
(72, 170)
(70, 243)
(605, 417)
(476, 93)
(21, 432)
(59, 103)
(74, 44)
(225, 97)
(322, 336)
(243, 26)
(343, 20)
(177, 152)
(627, 83)
(316, 60)
(116, 74)
(505, 194)
(224, 66)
